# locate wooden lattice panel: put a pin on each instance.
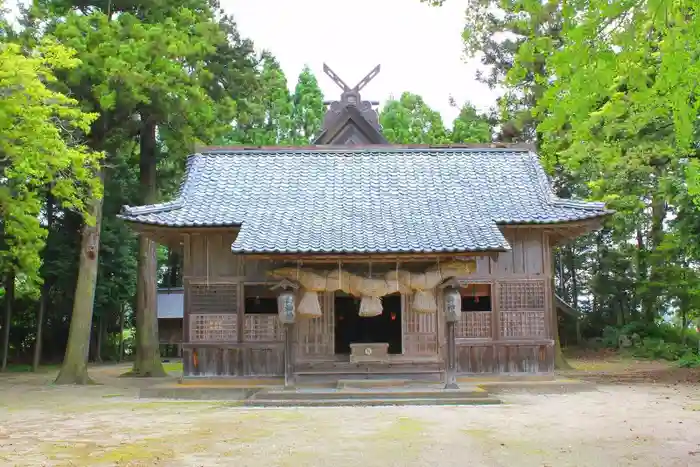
(213, 327)
(316, 336)
(262, 328)
(523, 324)
(421, 331)
(474, 324)
(521, 295)
(522, 305)
(213, 298)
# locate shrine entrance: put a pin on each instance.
(351, 328)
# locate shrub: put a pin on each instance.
(611, 336)
(689, 360)
(658, 349)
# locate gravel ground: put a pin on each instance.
(618, 425)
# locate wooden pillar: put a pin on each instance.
(451, 371)
(453, 308)
(288, 357)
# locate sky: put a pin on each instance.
(418, 47)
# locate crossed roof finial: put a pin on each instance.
(347, 90)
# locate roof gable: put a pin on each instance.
(350, 127)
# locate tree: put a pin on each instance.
(471, 127)
(160, 91)
(409, 120)
(39, 133)
(308, 108)
(40, 146)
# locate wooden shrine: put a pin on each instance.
(357, 258)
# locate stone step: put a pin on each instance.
(371, 383)
(374, 394)
(186, 392)
(367, 402)
(311, 378)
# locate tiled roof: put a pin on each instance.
(377, 199)
(170, 303)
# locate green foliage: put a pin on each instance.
(658, 349)
(471, 127)
(689, 360)
(409, 120)
(40, 146)
(308, 108)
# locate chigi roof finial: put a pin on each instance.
(351, 97)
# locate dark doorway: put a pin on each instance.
(351, 328)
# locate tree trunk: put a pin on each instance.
(656, 236)
(45, 289)
(642, 275)
(147, 362)
(9, 299)
(574, 278)
(43, 300)
(98, 339)
(560, 362)
(121, 333)
(74, 368)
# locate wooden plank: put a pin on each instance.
(533, 252)
(226, 361)
(475, 359)
(517, 242)
(527, 358)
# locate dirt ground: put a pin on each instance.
(631, 422)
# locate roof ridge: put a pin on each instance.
(258, 150)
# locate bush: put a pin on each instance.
(611, 336)
(658, 349)
(689, 360)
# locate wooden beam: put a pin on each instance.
(363, 258)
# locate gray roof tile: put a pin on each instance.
(379, 199)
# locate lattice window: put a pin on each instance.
(522, 324)
(262, 327)
(521, 295)
(213, 298)
(474, 324)
(522, 305)
(213, 328)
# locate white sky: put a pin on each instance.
(419, 47)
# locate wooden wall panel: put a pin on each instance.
(533, 249)
(211, 256)
(316, 337)
(526, 358)
(525, 257)
(505, 357)
(170, 330)
(420, 331)
(475, 358)
(233, 360)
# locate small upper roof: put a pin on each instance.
(378, 199)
